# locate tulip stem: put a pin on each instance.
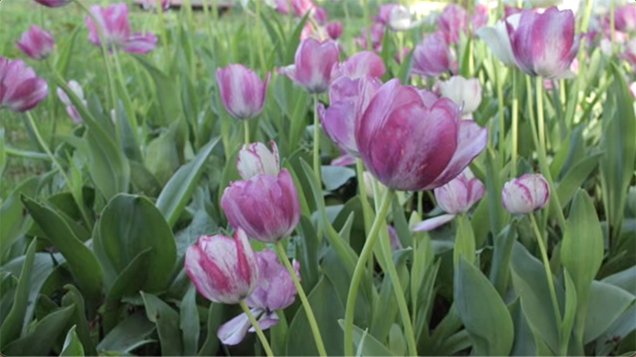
(362, 188)
(548, 271)
(514, 130)
(282, 256)
(246, 132)
(316, 153)
(359, 269)
(257, 328)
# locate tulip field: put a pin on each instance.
(318, 177)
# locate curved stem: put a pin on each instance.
(367, 250)
(257, 328)
(282, 256)
(366, 207)
(316, 151)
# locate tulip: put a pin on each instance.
(464, 92)
(433, 56)
(545, 44)
(452, 22)
(625, 18)
(525, 194)
(313, 64)
(320, 14)
(115, 28)
(242, 91)
(401, 19)
(349, 99)
(265, 206)
(375, 34)
(497, 39)
(223, 269)
(630, 52)
(411, 144)
(334, 29)
(20, 88)
(281, 6)
(274, 290)
(632, 89)
(255, 159)
(480, 17)
(301, 7)
(384, 13)
(361, 64)
(53, 3)
(152, 4)
(70, 108)
(36, 43)
(396, 244)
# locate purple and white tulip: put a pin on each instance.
(361, 64)
(256, 159)
(525, 194)
(71, 110)
(313, 64)
(20, 88)
(453, 22)
(433, 56)
(114, 26)
(242, 91)
(625, 18)
(36, 43)
(498, 40)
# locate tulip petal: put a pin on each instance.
(233, 332)
(432, 223)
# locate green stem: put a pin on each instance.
(514, 130)
(282, 256)
(316, 152)
(500, 106)
(540, 118)
(366, 207)
(246, 132)
(367, 250)
(27, 154)
(548, 271)
(257, 328)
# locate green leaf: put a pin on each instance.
(167, 322)
(607, 303)
(215, 318)
(81, 261)
(625, 280)
(167, 92)
(575, 177)
(13, 222)
(366, 345)
(335, 176)
(72, 345)
(65, 51)
(571, 307)
(127, 335)
(42, 338)
(107, 164)
(464, 241)
(177, 192)
(482, 311)
(162, 158)
(189, 322)
(129, 225)
(74, 297)
(12, 325)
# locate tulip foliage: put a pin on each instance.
(305, 177)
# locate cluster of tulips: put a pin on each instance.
(408, 138)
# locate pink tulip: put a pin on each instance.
(242, 91)
(36, 43)
(410, 142)
(384, 13)
(525, 194)
(480, 17)
(301, 7)
(334, 29)
(452, 22)
(53, 3)
(313, 64)
(223, 269)
(361, 64)
(545, 44)
(348, 100)
(625, 18)
(275, 290)
(20, 88)
(255, 159)
(265, 206)
(455, 197)
(71, 110)
(281, 6)
(433, 56)
(321, 16)
(115, 28)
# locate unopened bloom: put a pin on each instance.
(412, 142)
(401, 19)
(625, 18)
(454, 198)
(242, 91)
(256, 159)
(545, 44)
(20, 88)
(433, 56)
(113, 25)
(361, 64)
(274, 290)
(464, 92)
(223, 269)
(525, 194)
(265, 206)
(334, 29)
(53, 3)
(452, 22)
(71, 110)
(313, 64)
(36, 43)
(480, 17)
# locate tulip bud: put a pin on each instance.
(334, 30)
(20, 88)
(401, 19)
(223, 269)
(361, 64)
(36, 43)
(242, 91)
(313, 64)
(480, 17)
(466, 93)
(525, 194)
(553, 42)
(53, 3)
(411, 145)
(255, 159)
(452, 22)
(625, 18)
(384, 13)
(460, 193)
(265, 206)
(433, 56)
(70, 108)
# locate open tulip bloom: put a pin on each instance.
(112, 23)
(20, 88)
(313, 64)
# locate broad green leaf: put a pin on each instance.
(335, 176)
(13, 222)
(189, 322)
(607, 303)
(81, 261)
(45, 333)
(130, 333)
(178, 191)
(215, 318)
(307, 252)
(168, 96)
(162, 158)
(571, 307)
(483, 312)
(80, 318)
(625, 280)
(366, 344)
(167, 322)
(464, 241)
(107, 164)
(524, 344)
(129, 225)
(500, 267)
(575, 177)
(65, 51)
(72, 345)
